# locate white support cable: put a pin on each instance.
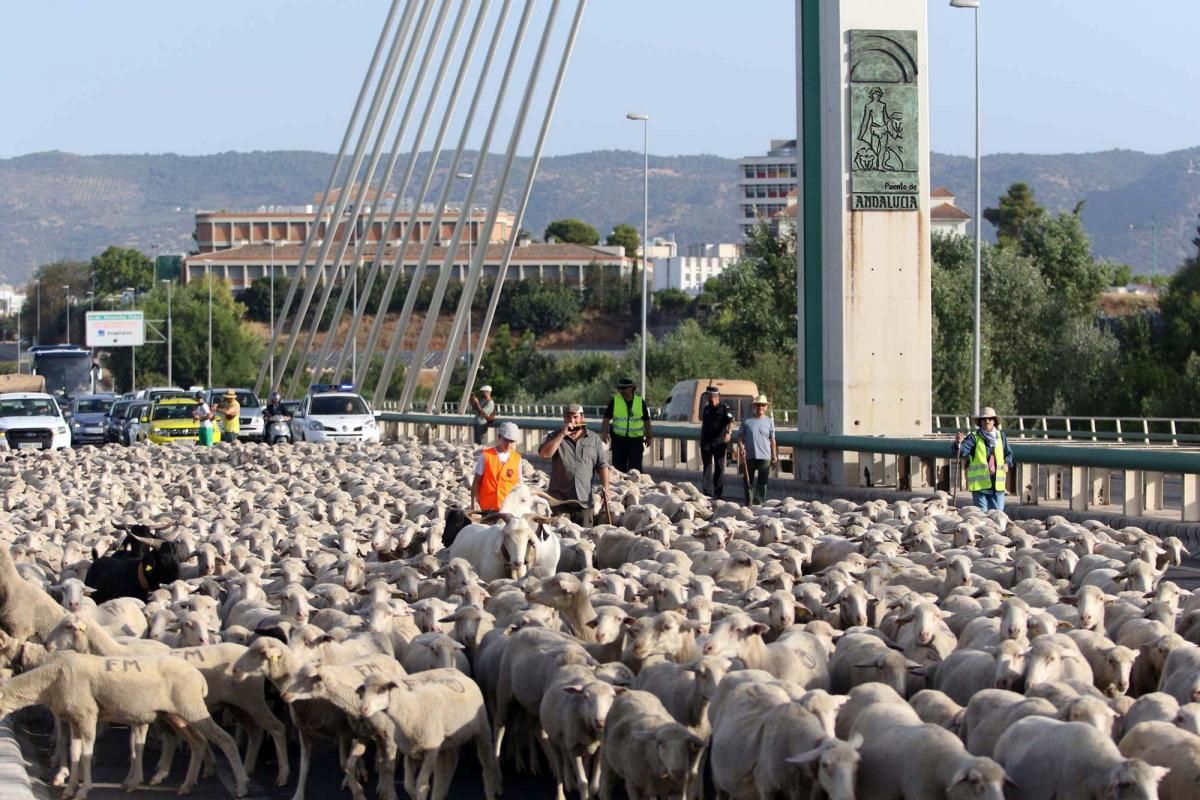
(364, 362)
(439, 392)
(268, 362)
(344, 194)
(356, 260)
(393, 351)
(364, 183)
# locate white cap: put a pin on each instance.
(509, 430)
(486, 388)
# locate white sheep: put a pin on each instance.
(1051, 760)
(434, 714)
(85, 689)
(1165, 746)
(647, 749)
(573, 714)
(26, 611)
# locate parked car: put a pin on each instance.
(334, 414)
(251, 418)
(86, 418)
(113, 420)
(169, 421)
(131, 428)
(687, 398)
(153, 393)
(32, 421)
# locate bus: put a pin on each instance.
(67, 368)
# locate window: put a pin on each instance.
(338, 404)
(173, 411)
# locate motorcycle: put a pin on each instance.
(279, 430)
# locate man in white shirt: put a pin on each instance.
(497, 470)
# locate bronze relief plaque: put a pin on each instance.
(884, 108)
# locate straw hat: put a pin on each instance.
(762, 400)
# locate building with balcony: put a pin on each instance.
(764, 183)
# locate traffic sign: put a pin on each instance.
(115, 329)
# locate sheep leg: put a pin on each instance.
(62, 752)
(411, 767)
(492, 780)
(196, 746)
(254, 740)
(214, 733)
(606, 780)
(137, 748)
(265, 719)
(350, 766)
(428, 762)
(306, 743)
(556, 764)
(88, 740)
(447, 761)
(75, 754)
(580, 776)
(169, 742)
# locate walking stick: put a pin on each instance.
(746, 475)
(607, 510)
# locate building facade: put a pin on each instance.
(562, 263)
(688, 273)
(224, 230)
(944, 214)
(765, 182)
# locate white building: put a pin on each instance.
(765, 182)
(11, 301)
(944, 215)
(690, 272)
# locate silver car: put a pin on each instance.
(251, 418)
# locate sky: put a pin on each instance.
(716, 77)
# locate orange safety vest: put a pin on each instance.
(498, 479)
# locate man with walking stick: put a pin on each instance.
(759, 451)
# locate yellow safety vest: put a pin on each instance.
(979, 479)
(625, 422)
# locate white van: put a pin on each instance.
(688, 397)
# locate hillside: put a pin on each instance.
(58, 205)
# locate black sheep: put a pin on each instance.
(139, 566)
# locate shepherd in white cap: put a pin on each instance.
(988, 457)
(497, 470)
(485, 412)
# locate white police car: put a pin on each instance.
(32, 421)
(334, 414)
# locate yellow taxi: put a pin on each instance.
(169, 421)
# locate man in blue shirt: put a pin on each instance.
(759, 451)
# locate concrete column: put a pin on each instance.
(1154, 491)
(1101, 480)
(1079, 489)
(863, 227)
(1027, 487)
(1191, 498)
(1133, 502)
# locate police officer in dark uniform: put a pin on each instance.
(716, 422)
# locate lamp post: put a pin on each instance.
(208, 278)
(974, 4)
(645, 120)
(67, 294)
(1153, 228)
(170, 377)
(271, 242)
(19, 337)
(37, 333)
(466, 176)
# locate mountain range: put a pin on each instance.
(57, 205)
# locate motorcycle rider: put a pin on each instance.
(274, 409)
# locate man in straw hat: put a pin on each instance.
(988, 458)
(497, 470)
(759, 451)
(229, 413)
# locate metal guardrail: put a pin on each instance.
(1082, 475)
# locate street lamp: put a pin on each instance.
(67, 293)
(37, 334)
(208, 278)
(271, 242)
(170, 377)
(974, 4)
(466, 176)
(645, 120)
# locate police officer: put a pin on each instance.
(627, 427)
(716, 421)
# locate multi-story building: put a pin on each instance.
(690, 272)
(223, 230)
(765, 182)
(563, 263)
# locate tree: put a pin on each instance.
(572, 231)
(671, 301)
(625, 236)
(53, 277)
(121, 268)
(1017, 208)
(604, 289)
(1180, 305)
(754, 299)
(1060, 247)
(540, 306)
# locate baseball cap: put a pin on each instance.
(509, 430)
(486, 388)
(574, 408)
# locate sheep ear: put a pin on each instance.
(573, 689)
(448, 619)
(804, 758)
(758, 628)
(1062, 623)
(856, 741)
(592, 623)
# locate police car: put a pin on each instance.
(330, 413)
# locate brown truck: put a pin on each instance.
(22, 383)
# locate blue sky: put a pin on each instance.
(135, 76)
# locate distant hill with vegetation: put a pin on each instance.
(57, 205)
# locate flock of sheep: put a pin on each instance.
(795, 649)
